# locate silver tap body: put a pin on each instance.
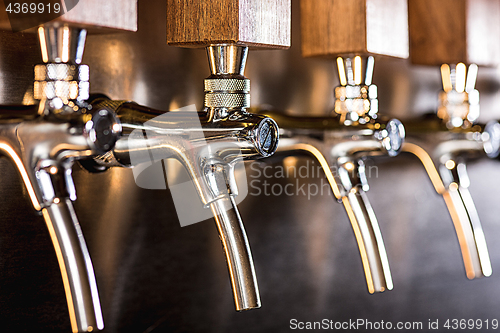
(444, 144)
(43, 147)
(43, 150)
(227, 59)
(341, 151)
(356, 99)
(208, 144)
(340, 144)
(444, 153)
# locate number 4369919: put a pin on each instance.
(471, 324)
(32, 8)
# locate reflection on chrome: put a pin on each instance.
(444, 143)
(43, 142)
(229, 135)
(344, 141)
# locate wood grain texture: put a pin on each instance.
(4, 19)
(95, 15)
(258, 23)
(340, 27)
(332, 27)
(483, 32)
(265, 22)
(437, 31)
(387, 28)
(115, 14)
(452, 31)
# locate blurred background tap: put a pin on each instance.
(44, 140)
(445, 140)
(355, 131)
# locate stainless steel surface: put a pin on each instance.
(227, 87)
(356, 97)
(208, 144)
(459, 100)
(445, 145)
(437, 154)
(43, 147)
(340, 151)
(61, 43)
(227, 59)
(364, 222)
(43, 152)
(209, 163)
(238, 255)
(76, 267)
(477, 258)
(340, 144)
(155, 276)
(61, 80)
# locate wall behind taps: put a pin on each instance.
(155, 276)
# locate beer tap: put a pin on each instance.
(44, 147)
(43, 141)
(446, 140)
(355, 131)
(341, 143)
(209, 143)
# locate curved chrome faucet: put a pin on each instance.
(228, 135)
(44, 146)
(443, 143)
(340, 144)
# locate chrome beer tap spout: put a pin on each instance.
(208, 143)
(341, 143)
(444, 142)
(43, 146)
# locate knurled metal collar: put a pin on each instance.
(458, 108)
(356, 101)
(62, 72)
(227, 93)
(231, 85)
(65, 81)
(356, 91)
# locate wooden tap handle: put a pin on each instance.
(94, 15)
(453, 31)
(255, 23)
(363, 27)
